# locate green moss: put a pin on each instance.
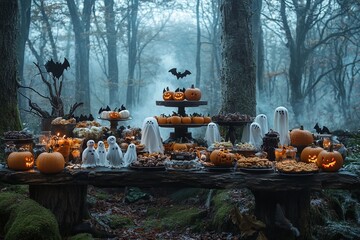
(222, 210)
(175, 217)
(8, 201)
(199, 194)
(82, 236)
(101, 195)
(119, 221)
(29, 220)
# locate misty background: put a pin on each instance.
(132, 44)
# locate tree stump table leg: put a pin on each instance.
(66, 202)
(295, 206)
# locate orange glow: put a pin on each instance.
(330, 164)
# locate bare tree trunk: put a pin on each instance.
(198, 45)
(82, 43)
(238, 70)
(132, 39)
(23, 26)
(113, 72)
(9, 12)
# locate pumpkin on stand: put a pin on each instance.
(50, 162)
(197, 118)
(310, 154)
(179, 94)
(124, 113)
(161, 119)
(167, 94)
(20, 161)
(192, 93)
(330, 160)
(114, 115)
(186, 120)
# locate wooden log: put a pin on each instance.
(66, 202)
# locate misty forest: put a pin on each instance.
(78, 60)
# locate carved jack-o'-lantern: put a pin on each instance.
(193, 93)
(167, 94)
(20, 161)
(330, 161)
(179, 147)
(310, 154)
(179, 94)
(114, 115)
(222, 157)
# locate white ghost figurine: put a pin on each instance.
(212, 134)
(281, 125)
(89, 155)
(101, 151)
(130, 155)
(262, 120)
(114, 154)
(255, 135)
(150, 136)
(245, 137)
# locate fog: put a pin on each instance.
(166, 38)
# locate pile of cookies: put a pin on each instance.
(254, 162)
(150, 160)
(292, 166)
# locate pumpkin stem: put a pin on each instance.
(164, 90)
(331, 148)
(192, 86)
(301, 127)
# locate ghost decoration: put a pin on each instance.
(245, 137)
(130, 155)
(261, 119)
(114, 154)
(101, 151)
(89, 155)
(212, 134)
(281, 125)
(255, 135)
(150, 136)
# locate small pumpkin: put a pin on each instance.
(179, 94)
(179, 147)
(330, 160)
(124, 113)
(50, 162)
(193, 93)
(197, 119)
(114, 115)
(207, 119)
(175, 119)
(162, 119)
(310, 154)
(186, 120)
(20, 161)
(301, 137)
(167, 94)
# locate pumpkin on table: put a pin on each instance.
(192, 93)
(301, 137)
(330, 160)
(222, 157)
(20, 161)
(50, 162)
(310, 154)
(179, 147)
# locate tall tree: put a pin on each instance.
(82, 48)
(133, 7)
(113, 72)
(198, 45)
(9, 13)
(238, 70)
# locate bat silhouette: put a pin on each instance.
(179, 74)
(56, 68)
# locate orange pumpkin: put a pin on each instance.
(198, 120)
(222, 157)
(301, 137)
(186, 120)
(207, 119)
(192, 93)
(179, 94)
(310, 154)
(114, 115)
(53, 162)
(175, 120)
(179, 147)
(167, 94)
(161, 119)
(330, 161)
(20, 161)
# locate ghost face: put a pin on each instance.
(111, 140)
(101, 144)
(90, 143)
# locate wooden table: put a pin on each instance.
(65, 193)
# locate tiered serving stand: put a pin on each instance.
(180, 130)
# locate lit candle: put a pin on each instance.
(280, 154)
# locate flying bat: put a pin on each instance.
(179, 74)
(57, 68)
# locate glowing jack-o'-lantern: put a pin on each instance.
(114, 115)
(222, 157)
(330, 161)
(179, 94)
(167, 94)
(310, 154)
(20, 161)
(192, 93)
